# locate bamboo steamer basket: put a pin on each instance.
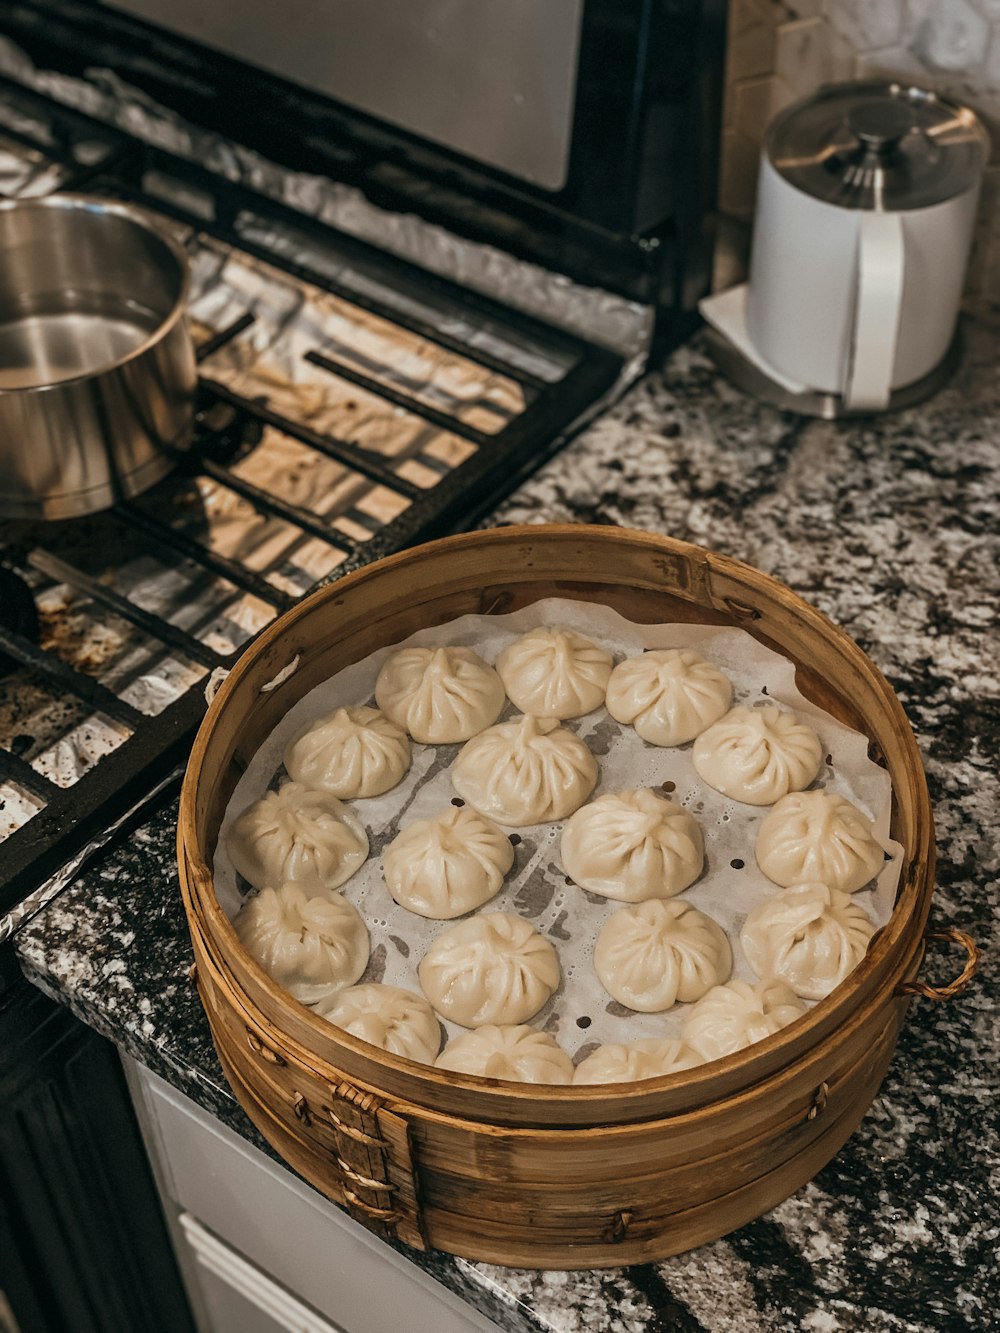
(531, 1175)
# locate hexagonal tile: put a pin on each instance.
(879, 22)
(896, 62)
(738, 177)
(751, 51)
(867, 24)
(841, 55)
(756, 103)
(809, 53)
(947, 36)
(991, 68)
(772, 12)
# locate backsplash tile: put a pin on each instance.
(779, 50)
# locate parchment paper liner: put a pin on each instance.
(581, 1014)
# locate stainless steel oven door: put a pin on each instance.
(496, 82)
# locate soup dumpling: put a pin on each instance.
(297, 834)
(493, 968)
(757, 755)
(628, 1062)
(439, 695)
(555, 673)
(731, 1017)
(655, 953)
(809, 936)
(669, 695)
(448, 865)
(351, 752)
(528, 771)
(514, 1052)
(632, 845)
(815, 837)
(305, 943)
(394, 1020)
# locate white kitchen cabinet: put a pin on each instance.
(235, 1295)
(258, 1246)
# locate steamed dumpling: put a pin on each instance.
(448, 865)
(810, 937)
(297, 834)
(730, 1018)
(439, 695)
(669, 695)
(529, 771)
(350, 752)
(653, 954)
(493, 968)
(633, 845)
(306, 944)
(813, 837)
(757, 755)
(392, 1019)
(651, 1057)
(516, 1053)
(555, 673)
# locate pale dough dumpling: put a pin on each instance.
(350, 752)
(669, 695)
(529, 771)
(555, 673)
(811, 837)
(394, 1020)
(651, 1057)
(448, 865)
(515, 1053)
(439, 695)
(297, 834)
(306, 944)
(730, 1018)
(632, 845)
(757, 755)
(493, 968)
(653, 954)
(809, 936)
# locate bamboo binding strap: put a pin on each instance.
(953, 936)
(387, 1216)
(376, 1170)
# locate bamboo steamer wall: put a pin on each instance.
(522, 1174)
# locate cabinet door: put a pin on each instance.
(237, 1297)
(83, 1245)
(309, 1246)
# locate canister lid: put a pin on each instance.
(878, 145)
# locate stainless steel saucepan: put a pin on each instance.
(97, 371)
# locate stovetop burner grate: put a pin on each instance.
(351, 405)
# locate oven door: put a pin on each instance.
(592, 107)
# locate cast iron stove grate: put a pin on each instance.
(351, 404)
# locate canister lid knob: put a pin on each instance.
(880, 125)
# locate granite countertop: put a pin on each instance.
(890, 526)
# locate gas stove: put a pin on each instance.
(351, 404)
(425, 248)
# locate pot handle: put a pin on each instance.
(953, 988)
(877, 306)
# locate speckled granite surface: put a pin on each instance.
(891, 527)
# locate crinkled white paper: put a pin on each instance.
(580, 1014)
